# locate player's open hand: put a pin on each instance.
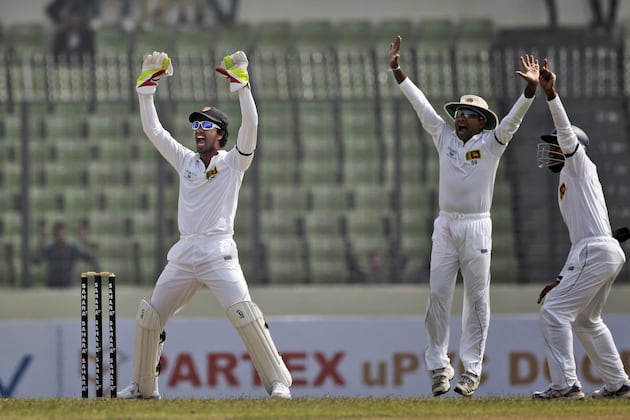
(394, 52)
(531, 69)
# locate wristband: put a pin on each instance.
(397, 68)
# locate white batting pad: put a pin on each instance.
(248, 321)
(146, 352)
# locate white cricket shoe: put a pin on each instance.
(572, 393)
(280, 390)
(623, 392)
(467, 384)
(442, 380)
(132, 392)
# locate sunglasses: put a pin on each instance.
(205, 125)
(467, 113)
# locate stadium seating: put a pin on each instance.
(342, 165)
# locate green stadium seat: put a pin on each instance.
(274, 38)
(353, 35)
(320, 160)
(111, 41)
(434, 47)
(314, 35)
(192, 41)
(364, 148)
(285, 260)
(327, 260)
(388, 28)
(26, 39)
(159, 38)
(355, 58)
(239, 36)
(472, 55)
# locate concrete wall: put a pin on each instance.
(392, 300)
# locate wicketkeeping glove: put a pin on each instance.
(234, 67)
(154, 67)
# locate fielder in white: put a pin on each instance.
(206, 254)
(469, 154)
(575, 300)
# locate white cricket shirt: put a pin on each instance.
(580, 195)
(467, 170)
(208, 196)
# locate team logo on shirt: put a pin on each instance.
(212, 172)
(563, 190)
(473, 155)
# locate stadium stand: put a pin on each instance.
(342, 168)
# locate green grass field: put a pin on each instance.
(315, 408)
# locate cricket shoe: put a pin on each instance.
(280, 390)
(623, 392)
(572, 393)
(467, 384)
(442, 380)
(132, 392)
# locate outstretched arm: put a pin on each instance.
(234, 68)
(156, 66)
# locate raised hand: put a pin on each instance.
(394, 53)
(547, 80)
(154, 66)
(531, 73)
(531, 69)
(234, 67)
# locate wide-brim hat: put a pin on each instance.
(478, 104)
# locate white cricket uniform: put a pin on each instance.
(594, 261)
(206, 252)
(462, 232)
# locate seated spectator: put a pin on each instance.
(74, 41)
(60, 256)
(377, 271)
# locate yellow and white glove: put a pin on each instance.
(154, 67)
(234, 67)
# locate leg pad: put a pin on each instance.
(147, 349)
(248, 321)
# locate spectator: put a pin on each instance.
(377, 270)
(60, 256)
(59, 10)
(224, 13)
(74, 41)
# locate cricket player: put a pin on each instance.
(206, 254)
(574, 301)
(469, 154)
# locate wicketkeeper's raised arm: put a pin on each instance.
(234, 68)
(154, 67)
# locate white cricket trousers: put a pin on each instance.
(576, 305)
(196, 260)
(460, 242)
